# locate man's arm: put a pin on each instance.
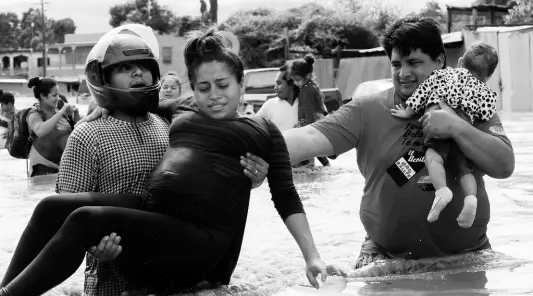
(485, 144)
(490, 153)
(306, 142)
(330, 136)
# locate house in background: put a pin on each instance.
(486, 14)
(66, 61)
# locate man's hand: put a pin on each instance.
(97, 113)
(108, 249)
(255, 168)
(440, 124)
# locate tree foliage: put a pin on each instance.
(521, 13)
(433, 10)
(147, 12)
(263, 33)
(28, 31)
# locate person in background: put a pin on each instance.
(311, 99)
(7, 102)
(170, 86)
(49, 127)
(283, 109)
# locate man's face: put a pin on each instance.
(409, 71)
(131, 75)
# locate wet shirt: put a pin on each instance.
(200, 179)
(111, 156)
(394, 216)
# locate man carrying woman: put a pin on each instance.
(175, 231)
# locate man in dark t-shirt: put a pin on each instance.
(390, 154)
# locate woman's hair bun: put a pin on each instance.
(34, 82)
(201, 43)
(309, 59)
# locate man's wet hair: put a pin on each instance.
(7, 97)
(481, 60)
(412, 33)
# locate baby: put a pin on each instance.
(463, 89)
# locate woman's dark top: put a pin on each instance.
(200, 179)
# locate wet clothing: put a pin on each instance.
(394, 215)
(111, 156)
(311, 103)
(46, 150)
(195, 226)
(459, 89)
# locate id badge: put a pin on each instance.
(407, 166)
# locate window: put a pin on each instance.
(40, 62)
(167, 55)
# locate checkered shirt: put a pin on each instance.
(108, 156)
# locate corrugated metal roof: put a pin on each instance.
(504, 29)
(449, 38)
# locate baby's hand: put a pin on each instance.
(402, 112)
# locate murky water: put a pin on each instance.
(271, 263)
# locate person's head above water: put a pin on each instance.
(170, 86)
(302, 70)
(415, 49)
(480, 59)
(122, 71)
(45, 90)
(285, 86)
(215, 74)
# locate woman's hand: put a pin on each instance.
(255, 168)
(316, 266)
(108, 249)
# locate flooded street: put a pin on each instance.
(271, 263)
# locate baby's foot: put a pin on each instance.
(442, 197)
(468, 214)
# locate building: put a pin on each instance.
(66, 61)
(485, 14)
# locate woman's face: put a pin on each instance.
(169, 89)
(51, 99)
(282, 88)
(217, 91)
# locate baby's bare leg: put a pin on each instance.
(468, 213)
(443, 195)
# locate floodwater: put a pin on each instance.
(271, 263)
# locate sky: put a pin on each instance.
(92, 16)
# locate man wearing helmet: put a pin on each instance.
(117, 154)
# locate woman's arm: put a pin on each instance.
(42, 128)
(289, 205)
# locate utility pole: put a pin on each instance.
(43, 26)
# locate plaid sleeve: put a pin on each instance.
(79, 164)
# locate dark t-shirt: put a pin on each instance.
(395, 216)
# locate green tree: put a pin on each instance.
(188, 23)
(60, 28)
(147, 12)
(9, 30)
(521, 13)
(434, 11)
(263, 33)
